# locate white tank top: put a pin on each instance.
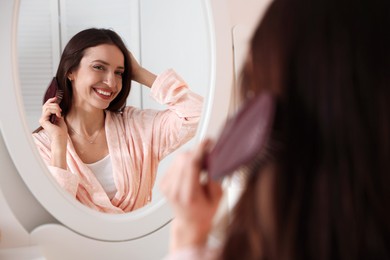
(103, 172)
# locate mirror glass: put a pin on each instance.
(160, 34)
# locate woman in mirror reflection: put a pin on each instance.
(102, 152)
(320, 188)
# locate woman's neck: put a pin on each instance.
(84, 122)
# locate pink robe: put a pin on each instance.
(137, 141)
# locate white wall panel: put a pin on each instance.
(36, 53)
(176, 38)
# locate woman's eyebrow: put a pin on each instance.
(108, 64)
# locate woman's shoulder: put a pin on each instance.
(130, 112)
(133, 117)
(122, 113)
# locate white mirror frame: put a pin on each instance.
(75, 216)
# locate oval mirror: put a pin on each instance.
(177, 34)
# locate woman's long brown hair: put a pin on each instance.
(327, 64)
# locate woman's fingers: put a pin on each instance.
(192, 181)
(52, 110)
(182, 182)
(214, 191)
(170, 184)
(51, 107)
(134, 63)
(201, 151)
(194, 201)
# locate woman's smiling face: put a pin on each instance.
(98, 79)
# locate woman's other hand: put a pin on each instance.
(194, 202)
(57, 131)
(140, 74)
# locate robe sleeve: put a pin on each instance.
(68, 180)
(178, 123)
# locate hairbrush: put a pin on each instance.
(242, 138)
(53, 91)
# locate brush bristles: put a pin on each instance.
(59, 95)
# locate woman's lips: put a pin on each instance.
(104, 94)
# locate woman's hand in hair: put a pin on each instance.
(57, 131)
(194, 202)
(140, 74)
